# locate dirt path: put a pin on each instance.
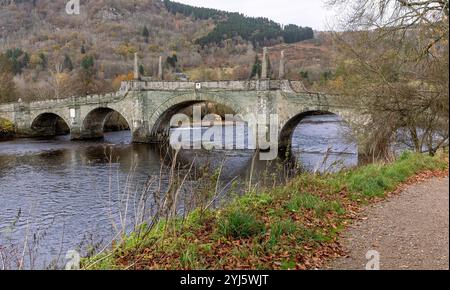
(410, 231)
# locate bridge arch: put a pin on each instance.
(159, 122)
(288, 127)
(95, 121)
(49, 124)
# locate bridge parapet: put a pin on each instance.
(68, 102)
(250, 85)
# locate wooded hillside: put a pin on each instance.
(50, 54)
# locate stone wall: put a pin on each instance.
(251, 85)
(147, 106)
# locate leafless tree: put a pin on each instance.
(393, 64)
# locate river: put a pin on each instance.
(57, 195)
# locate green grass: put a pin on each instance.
(239, 224)
(307, 235)
(256, 228)
(377, 179)
(255, 200)
(279, 229)
(314, 202)
(190, 258)
(288, 265)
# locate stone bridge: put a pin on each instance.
(147, 106)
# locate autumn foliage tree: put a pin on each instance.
(116, 83)
(7, 87)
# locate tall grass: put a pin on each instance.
(376, 179)
(239, 224)
(272, 221)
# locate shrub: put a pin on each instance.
(239, 224)
(6, 128)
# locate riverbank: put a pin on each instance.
(296, 226)
(6, 130)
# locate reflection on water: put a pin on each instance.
(64, 192)
(321, 143)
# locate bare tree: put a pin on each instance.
(57, 78)
(393, 65)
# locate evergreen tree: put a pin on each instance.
(293, 33)
(67, 63)
(145, 33)
(18, 58)
(44, 60)
(259, 31)
(172, 60)
(304, 75)
(86, 75)
(87, 62)
(141, 70)
(256, 68)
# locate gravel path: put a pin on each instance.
(410, 231)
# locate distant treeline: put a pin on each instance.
(229, 25)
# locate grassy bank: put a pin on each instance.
(296, 226)
(6, 129)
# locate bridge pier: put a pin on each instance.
(141, 133)
(147, 107)
(78, 135)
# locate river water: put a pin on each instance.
(57, 195)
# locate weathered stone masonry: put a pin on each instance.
(147, 106)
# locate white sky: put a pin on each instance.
(312, 13)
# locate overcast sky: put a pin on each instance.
(312, 13)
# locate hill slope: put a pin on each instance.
(54, 54)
